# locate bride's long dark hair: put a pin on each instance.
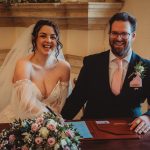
(36, 29)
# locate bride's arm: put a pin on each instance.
(22, 70)
(65, 85)
(25, 101)
(63, 95)
(23, 94)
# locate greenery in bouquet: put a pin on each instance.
(48, 132)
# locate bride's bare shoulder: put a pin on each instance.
(24, 61)
(63, 68)
(23, 69)
(64, 64)
(27, 58)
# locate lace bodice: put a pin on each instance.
(55, 95)
(27, 100)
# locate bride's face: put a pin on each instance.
(46, 40)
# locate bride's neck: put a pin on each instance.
(40, 60)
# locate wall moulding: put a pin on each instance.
(76, 62)
(78, 16)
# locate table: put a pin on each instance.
(134, 144)
(142, 143)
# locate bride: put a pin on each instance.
(33, 83)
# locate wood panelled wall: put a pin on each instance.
(80, 15)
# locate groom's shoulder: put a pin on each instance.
(142, 59)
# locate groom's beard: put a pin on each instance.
(119, 50)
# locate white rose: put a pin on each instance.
(74, 147)
(52, 122)
(63, 143)
(141, 69)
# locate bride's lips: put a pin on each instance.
(47, 47)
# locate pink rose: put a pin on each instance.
(1, 146)
(24, 147)
(51, 141)
(34, 127)
(70, 133)
(40, 120)
(38, 140)
(51, 127)
(12, 138)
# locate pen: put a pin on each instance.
(121, 123)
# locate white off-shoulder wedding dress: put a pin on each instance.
(28, 102)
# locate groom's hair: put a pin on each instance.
(37, 28)
(123, 16)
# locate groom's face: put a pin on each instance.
(120, 38)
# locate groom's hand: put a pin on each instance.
(141, 124)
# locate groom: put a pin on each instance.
(113, 83)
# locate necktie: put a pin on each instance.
(117, 78)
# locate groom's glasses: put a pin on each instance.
(123, 35)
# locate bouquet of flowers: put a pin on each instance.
(47, 132)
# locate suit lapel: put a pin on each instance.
(106, 70)
(101, 72)
(130, 70)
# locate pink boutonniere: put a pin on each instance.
(136, 82)
(139, 75)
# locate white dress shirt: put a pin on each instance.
(113, 66)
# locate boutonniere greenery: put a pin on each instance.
(139, 70)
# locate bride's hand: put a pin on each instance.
(51, 111)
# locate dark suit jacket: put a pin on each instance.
(93, 88)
